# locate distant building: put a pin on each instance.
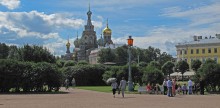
(68, 55)
(87, 47)
(200, 48)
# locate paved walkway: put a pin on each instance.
(90, 99)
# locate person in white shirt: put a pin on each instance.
(114, 87)
(122, 86)
(165, 87)
(190, 84)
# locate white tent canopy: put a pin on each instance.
(188, 73)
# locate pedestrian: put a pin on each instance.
(122, 86)
(114, 87)
(165, 87)
(174, 87)
(184, 89)
(67, 84)
(190, 84)
(202, 86)
(169, 86)
(73, 82)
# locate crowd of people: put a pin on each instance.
(170, 88)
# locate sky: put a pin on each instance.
(158, 23)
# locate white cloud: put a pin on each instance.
(37, 24)
(40, 28)
(198, 16)
(10, 4)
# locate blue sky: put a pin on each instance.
(158, 23)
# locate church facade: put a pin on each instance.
(88, 41)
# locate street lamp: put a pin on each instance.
(130, 83)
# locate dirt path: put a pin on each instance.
(90, 99)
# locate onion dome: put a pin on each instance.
(107, 30)
(68, 44)
(101, 41)
(76, 42)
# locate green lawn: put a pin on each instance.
(107, 89)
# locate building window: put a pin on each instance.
(197, 51)
(185, 52)
(191, 51)
(180, 52)
(203, 51)
(209, 50)
(215, 50)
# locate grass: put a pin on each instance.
(106, 89)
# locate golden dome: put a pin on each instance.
(68, 43)
(107, 30)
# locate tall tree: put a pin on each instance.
(4, 50)
(182, 66)
(121, 55)
(209, 71)
(106, 55)
(196, 65)
(167, 68)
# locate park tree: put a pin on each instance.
(182, 66)
(154, 64)
(121, 55)
(4, 51)
(195, 66)
(209, 72)
(164, 58)
(106, 55)
(152, 75)
(167, 68)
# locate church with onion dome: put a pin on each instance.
(88, 43)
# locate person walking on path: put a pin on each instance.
(202, 86)
(122, 86)
(169, 86)
(114, 87)
(174, 87)
(67, 84)
(190, 84)
(165, 87)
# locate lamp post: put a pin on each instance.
(130, 83)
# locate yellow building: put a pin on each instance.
(199, 48)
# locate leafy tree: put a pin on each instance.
(182, 66)
(167, 68)
(164, 57)
(14, 53)
(82, 62)
(4, 50)
(195, 66)
(121, 55)
(154, 64)
(210, 73)
(152, 75)
(142, 64)
(34, 53)
(106, 55)
(72, 63)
